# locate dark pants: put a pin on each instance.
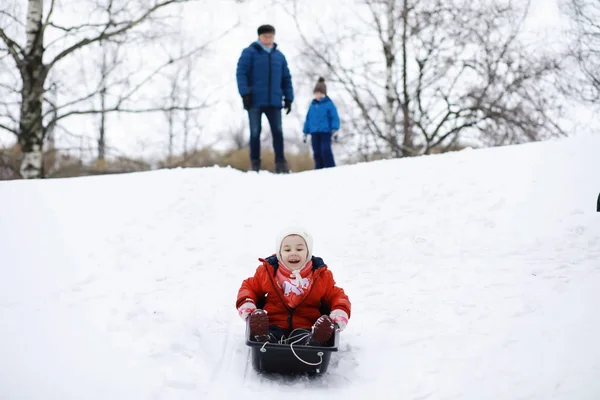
(322, 153)
(276, 333)
(300, 336)
(274, 117)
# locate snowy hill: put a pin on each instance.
(473, 275)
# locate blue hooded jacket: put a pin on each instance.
(322, 116)
(264, 75)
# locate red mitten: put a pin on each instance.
(339, 317)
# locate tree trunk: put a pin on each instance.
(390, 85)
(49, 159)
(188, 97)
(173, 102)
(101, 162)
(31, 129)
(408, 136)
(101, 139)
(171, 136)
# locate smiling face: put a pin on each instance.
(294, 252)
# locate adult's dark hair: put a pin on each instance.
(265, 29)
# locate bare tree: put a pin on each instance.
(111, 59)
(182, 106)
(188, 118)
(439, 71)
(38, 58)
(9, 92)
(584, 48)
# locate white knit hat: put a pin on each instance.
(294, 230)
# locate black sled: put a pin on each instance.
(280, 359)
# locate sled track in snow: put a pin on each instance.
(248, 368)
(232, 366)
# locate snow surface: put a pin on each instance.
(473, 275)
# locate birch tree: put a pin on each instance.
(421, 75)
(35, 59)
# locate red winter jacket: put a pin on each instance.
(323, 292)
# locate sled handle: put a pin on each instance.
(320, 353)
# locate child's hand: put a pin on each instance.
(339, 317)
(246, 309)
(304, 137)
(334, 133)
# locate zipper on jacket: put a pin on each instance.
(290, 319)
(270, 76)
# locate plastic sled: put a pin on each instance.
(289, 359)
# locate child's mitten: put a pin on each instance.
(246, 309)
(339, 317)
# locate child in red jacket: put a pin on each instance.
(291, 293)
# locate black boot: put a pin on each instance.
(255, 165)
(281, 167)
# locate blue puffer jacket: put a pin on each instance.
(265, 75)
(322, 117)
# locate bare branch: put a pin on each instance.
(447, 69)
(10, 88)
(110, 31)
(132, 110)
(13, 48)
(75, 28)
(129, 95)
(12, 18)
(584, 50)
(49, 16)
(56, 107)
(6, 128)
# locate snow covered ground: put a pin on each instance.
(473, 275)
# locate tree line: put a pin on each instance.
(440, 75)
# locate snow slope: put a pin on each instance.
(473, 275)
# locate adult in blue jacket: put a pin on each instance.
(322, 123)
(265, 84)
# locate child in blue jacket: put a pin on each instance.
(322, 123)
